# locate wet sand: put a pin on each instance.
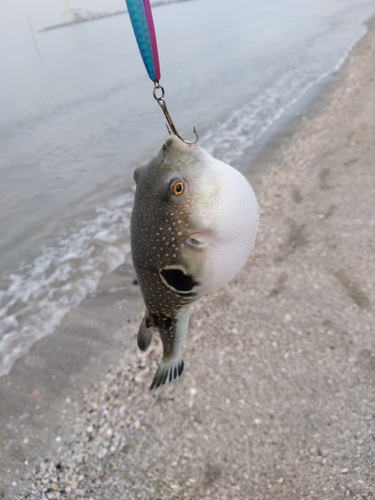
(277, 399)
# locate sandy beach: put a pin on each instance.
(277, 400)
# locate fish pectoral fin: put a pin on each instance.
(177, 279)
(145, 334)
(167, 372)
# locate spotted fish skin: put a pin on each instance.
(193, 226)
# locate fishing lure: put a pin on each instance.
(144, 30)
(143, 26)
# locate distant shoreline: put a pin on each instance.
(80, 21)
(102, 16)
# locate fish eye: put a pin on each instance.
(177, 187)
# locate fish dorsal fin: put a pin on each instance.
(177, 279)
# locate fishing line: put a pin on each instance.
(140, 14)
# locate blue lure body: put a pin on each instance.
(143, 26)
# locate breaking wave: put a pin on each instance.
(44, 291)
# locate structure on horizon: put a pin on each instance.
(80, 15)
(77, 16)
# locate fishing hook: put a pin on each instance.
(170, 125)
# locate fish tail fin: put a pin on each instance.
(145, 335)
(167, 372)
(172, 333)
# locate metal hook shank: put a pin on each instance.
(171, 127)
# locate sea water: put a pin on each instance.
(77, 116)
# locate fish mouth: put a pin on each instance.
(177, 142)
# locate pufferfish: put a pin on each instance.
(193, 226)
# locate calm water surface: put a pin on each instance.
(77, 116)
